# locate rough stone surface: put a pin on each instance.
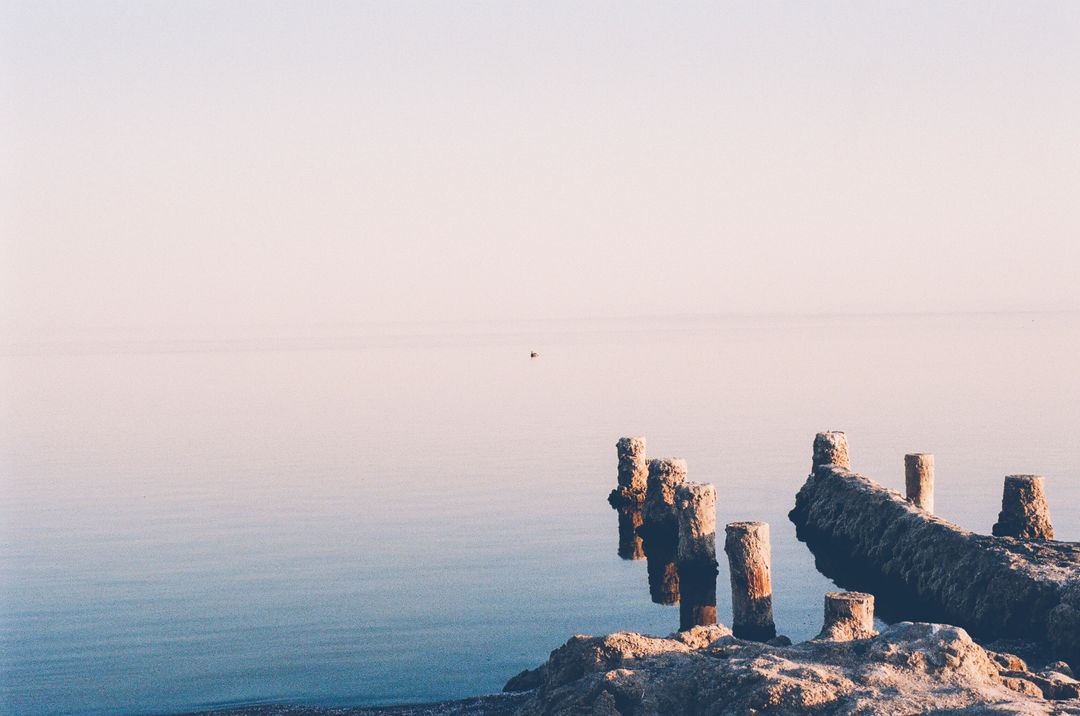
(633, 473)
(848, 616)
(831, 448)
(665, 475)
(1024, 512)
(909, 668)
(695, 505)
(750, 566)
(919, 479)
(920, 566)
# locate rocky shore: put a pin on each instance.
(910, 668)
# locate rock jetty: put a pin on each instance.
(920, 566)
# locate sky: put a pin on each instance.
(213, 164)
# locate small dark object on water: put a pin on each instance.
(534, 354)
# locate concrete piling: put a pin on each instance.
(831, 448)
(633, 473)
(696, 554)
(848, 616)
(665, 475)
(696, 511)
(750, 562)
(1024, 511)
(919, 479)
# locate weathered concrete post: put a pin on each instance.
(696, 552)
(750, 562)
(919, 479)
(848, 616)
(831, 448)
(1024, 512)
(633, 473)
(665, 475)
(696, 506)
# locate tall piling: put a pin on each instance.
(831, 448)
(659, 514)
(750, 562)
(1024, 511)
(919, 479)
(696, 554)
(848, 616)
(633, 473)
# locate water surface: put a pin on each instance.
(369, 516)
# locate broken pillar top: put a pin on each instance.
(831, 448)
(1025, 513)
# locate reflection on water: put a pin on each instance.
(663, 575)
(630, 543)
(697, 585)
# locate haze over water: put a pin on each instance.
(384, 515)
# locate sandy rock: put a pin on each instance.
(908, 668)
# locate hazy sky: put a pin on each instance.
(238, 163)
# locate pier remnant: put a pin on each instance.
(696, 554)
(665, 475)
(696, 509)
(633, 473)
(922, 568)
(750, 561)
(848, 616)
(919, 479)
(830, 448)
(1024, 512)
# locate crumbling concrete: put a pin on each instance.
(920, 566)
(750, 565)
(1024, 512)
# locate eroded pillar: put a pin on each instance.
(919, 479)
(848, 616)
(831, 448)
(633, 473)
(1024, 511)
(750, 562)
(665, 475)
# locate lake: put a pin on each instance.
(405, 513)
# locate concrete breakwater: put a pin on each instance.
(1017, 585)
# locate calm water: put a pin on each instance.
(419, 514)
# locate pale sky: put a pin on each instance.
(238, 163)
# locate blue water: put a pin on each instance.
(376, 515)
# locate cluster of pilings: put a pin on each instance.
(1024, 514)
(671, 523)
